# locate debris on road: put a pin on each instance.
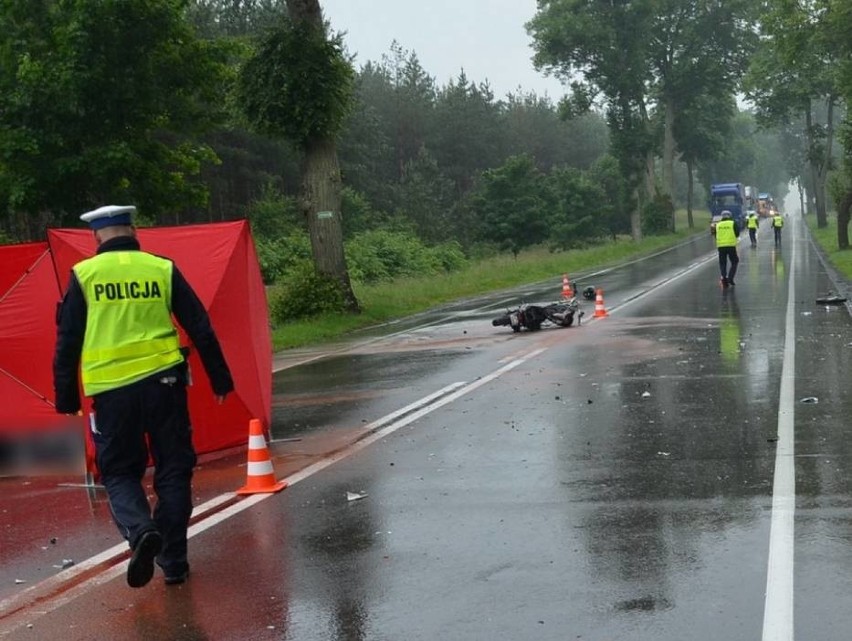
(354, 496)
(830, 299)
(809, 399)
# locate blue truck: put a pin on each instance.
(730, 196)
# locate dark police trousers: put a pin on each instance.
(123, 419)
(726, 254)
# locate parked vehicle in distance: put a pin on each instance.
(730, 197)
(765, 205)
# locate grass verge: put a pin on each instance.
(826, 238)
(386, 301)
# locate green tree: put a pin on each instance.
(838, 35)
(702, 133)
(695, 48)
(511, 204)
(426, 198)
(468, 134)
(392, 120)
(791, 75)
(298, 86)
(229, 18)
(578, 209)
(367, 155)
(750, 155)
(616, 205)
(102, 102)
(532, 125)
(605, 44)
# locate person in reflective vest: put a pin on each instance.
(727, 235)
(752, 223)
(115, 335)
(777, 224)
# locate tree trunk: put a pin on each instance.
(321, 206)
(809, 189)
(636, 218)
(689, 193)
(815, 164)
(843, 221)
(825, 162)
(669, 154)
(650, 179)
(321, 185)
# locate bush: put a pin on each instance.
(303, 293)
(382, 255)
(657, 216)
(279, 256)
(448, 257)
(273, 215)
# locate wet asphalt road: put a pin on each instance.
(612, 481)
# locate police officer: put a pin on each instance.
(727, 235)
(777, 224)
(752, 223)
(114, 326)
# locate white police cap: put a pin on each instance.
(108, 216)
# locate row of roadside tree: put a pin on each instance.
(253, 109)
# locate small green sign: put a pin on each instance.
(322, 215)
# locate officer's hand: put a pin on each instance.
(69, 410)
(220, 398)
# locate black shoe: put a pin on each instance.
(724, 282)
(141, 566)
(177, 579)
(731, 282)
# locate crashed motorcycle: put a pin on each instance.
(532, 317)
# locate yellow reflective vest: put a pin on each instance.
(129, 330)
(725, 236)
(778, 221)
(752, 222)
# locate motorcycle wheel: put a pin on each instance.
(515, 321)
(501, 321)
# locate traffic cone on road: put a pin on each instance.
(260, 476)
(600, 310)
(567, 292)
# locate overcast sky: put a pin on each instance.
(486, 38)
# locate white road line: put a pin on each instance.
(383, 427)
(666, 281)
(778, 609)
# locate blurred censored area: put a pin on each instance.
(25, 451)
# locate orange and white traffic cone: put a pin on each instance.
(567, 292)
(600, 310)
(260, 476)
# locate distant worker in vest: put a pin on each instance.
(727, 235)
(777, 224)
(752, 222)
(114, 326)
